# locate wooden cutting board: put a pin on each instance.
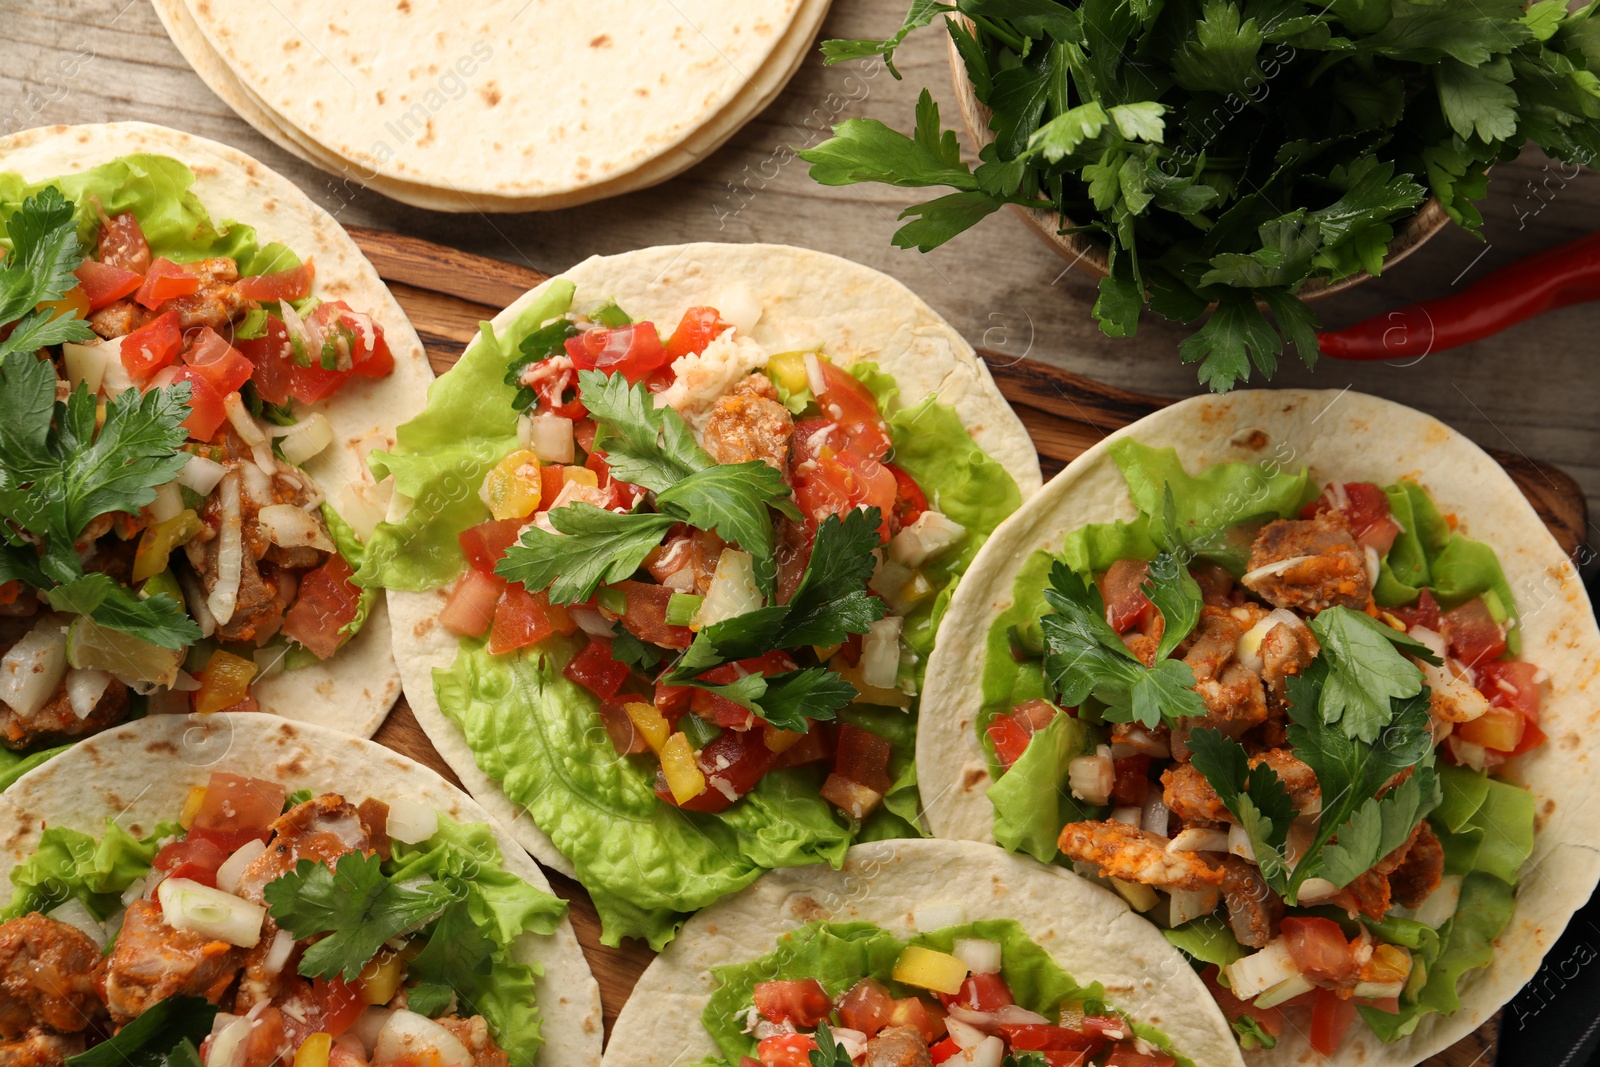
(447, 293)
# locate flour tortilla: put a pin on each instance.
(1088, 931)
(756, 95)
(354, 690)
(808, 298)
(1341, 436)
(402, 97)
(140, 773)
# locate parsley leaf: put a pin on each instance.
(830, 603)
(457, 952)
(828, 1053)
(787, 700)
(644, 444)
(1365, 670)
(1379, 826)
(865, 150)
(548, 340)
(44, 252)
(165, 1033)
(158, 619)
(598, 546)
(732, 499)
(1255, 796)
(922, 12)
(641, 656)
(355, 904)
(1084, 656)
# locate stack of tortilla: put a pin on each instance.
(507, 105)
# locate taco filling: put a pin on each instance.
(164, 546)
(708, 575)
(1276, 718)
(260, 927)
(962, 994)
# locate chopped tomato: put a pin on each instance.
(485, 544)
(631, 351)
(804, 1003)
(291, 284)
(311, 384)
(1127, 1057)
(217, 361)
(853, 407)
(1330, 1021)
(832, 482)
(1133, 779)
(672, 700)
(863, 758)
(732, 764)
(596, 671)
(981, 992)
(1424, 613)
(1043, 1037)
(551, 482)
(237, 810)
(523, 618)
(625, 736)
(1270, 1020)
(273, 360)
(909, 500)
(470, 609)
(341, 1003)
(123, 245)
(369, 352)
(9, 591)
(1510, 683)
(1366, 511)
(698, 328)
(1472, 633)
(152, 346)
(195, 858)
(785, 1050)
(328, 602)
(645, 615)
(264, 1044)
(1319, 948)
(813, 747)
(207, 407)
(1499, 729)
(868, 1006)
(164, 281)
(105, 284)
(944, 1050)
(926, 1017)
(1121, 587)
(1010, 734)
(1109, 1028)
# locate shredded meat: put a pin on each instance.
(1233, 695)
(1372, 892)
(1188, 794)
(743, 427)
(118, 319)
(152, 961)
(1329, 569)
(56, 722)
(473, 1032)
(47, 977)
(40, 1048)
(1286, 650)
(217, 302)
(898, 1046)
(1135, 855)
(1420, 870)
(1254, 910)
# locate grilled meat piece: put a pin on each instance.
(1234, 698)
(153, 961)
(1135, 855)
(1316, 565)
(47, 979)
(1254, 910)
(40, 1048)
(744, 427)
(56, 722)
(898, 1046)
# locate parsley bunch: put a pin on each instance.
(58, 471)
(1226, 152)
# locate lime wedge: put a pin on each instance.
(130, 660)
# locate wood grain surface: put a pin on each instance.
(446, 294)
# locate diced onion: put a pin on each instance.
(1091, 778)
(250, 433)
(880, 653)
(86, 364)
(364, 505)
(980, 956)
(1153, 817)
(1316, 891)
(257, 484)
(307, 438)
(76, 914)
(368, 1025)
(814, 378)
(201, 474)
(292, 527)
(1374, 565)
(188, 905)
(930, 917)
(1239, 844)
(162, 378)
(1197, 839)
(1248, 648)
(32, 668)
(548, 436)
(417, 1038)
(224, 595)
(1270, 569)
(168, 503)
(1184, 905)
(1291, 987)
(733, 590)
(739, 308)
(278, 954)
(964, 1034)
(135, 890)
(84, 690)
(1453, 697)
(591, 622)
(854, 1042)
(232, 868)
(990, 1052)
(931, 535)
(117, 380)
(194, 597)
(1136, 740)
(411, 822)
(1252, 975)
(1128, 814)
(227, 1043)
(1441, 904)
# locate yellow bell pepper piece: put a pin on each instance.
(580, 475)
(191, 805)
(313, 1051)
(512, 488)
(678, 765)
(650, 723)
(224, 682)
(158, 541)
(788, 369)
(927, 969)
(381, 977)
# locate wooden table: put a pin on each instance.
(1534, 390)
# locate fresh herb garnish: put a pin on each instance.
(548, 340)
(44, 252)
(1227, 152)
(1255, 796)
(594, 545)
(166, 1034)
(828, 1053)
(1364, 670)
(787, 700)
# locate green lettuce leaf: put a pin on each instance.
(354, 552)
(70, 864)
(1222, 495)
(14, 765)
(441, 456)
(1207, 939)
(1032, 800)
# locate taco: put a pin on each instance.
(181, 480)
(277, 893)
(1303, 676)
(606, 602)
(920, 952)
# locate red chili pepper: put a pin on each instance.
(1556, 278)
